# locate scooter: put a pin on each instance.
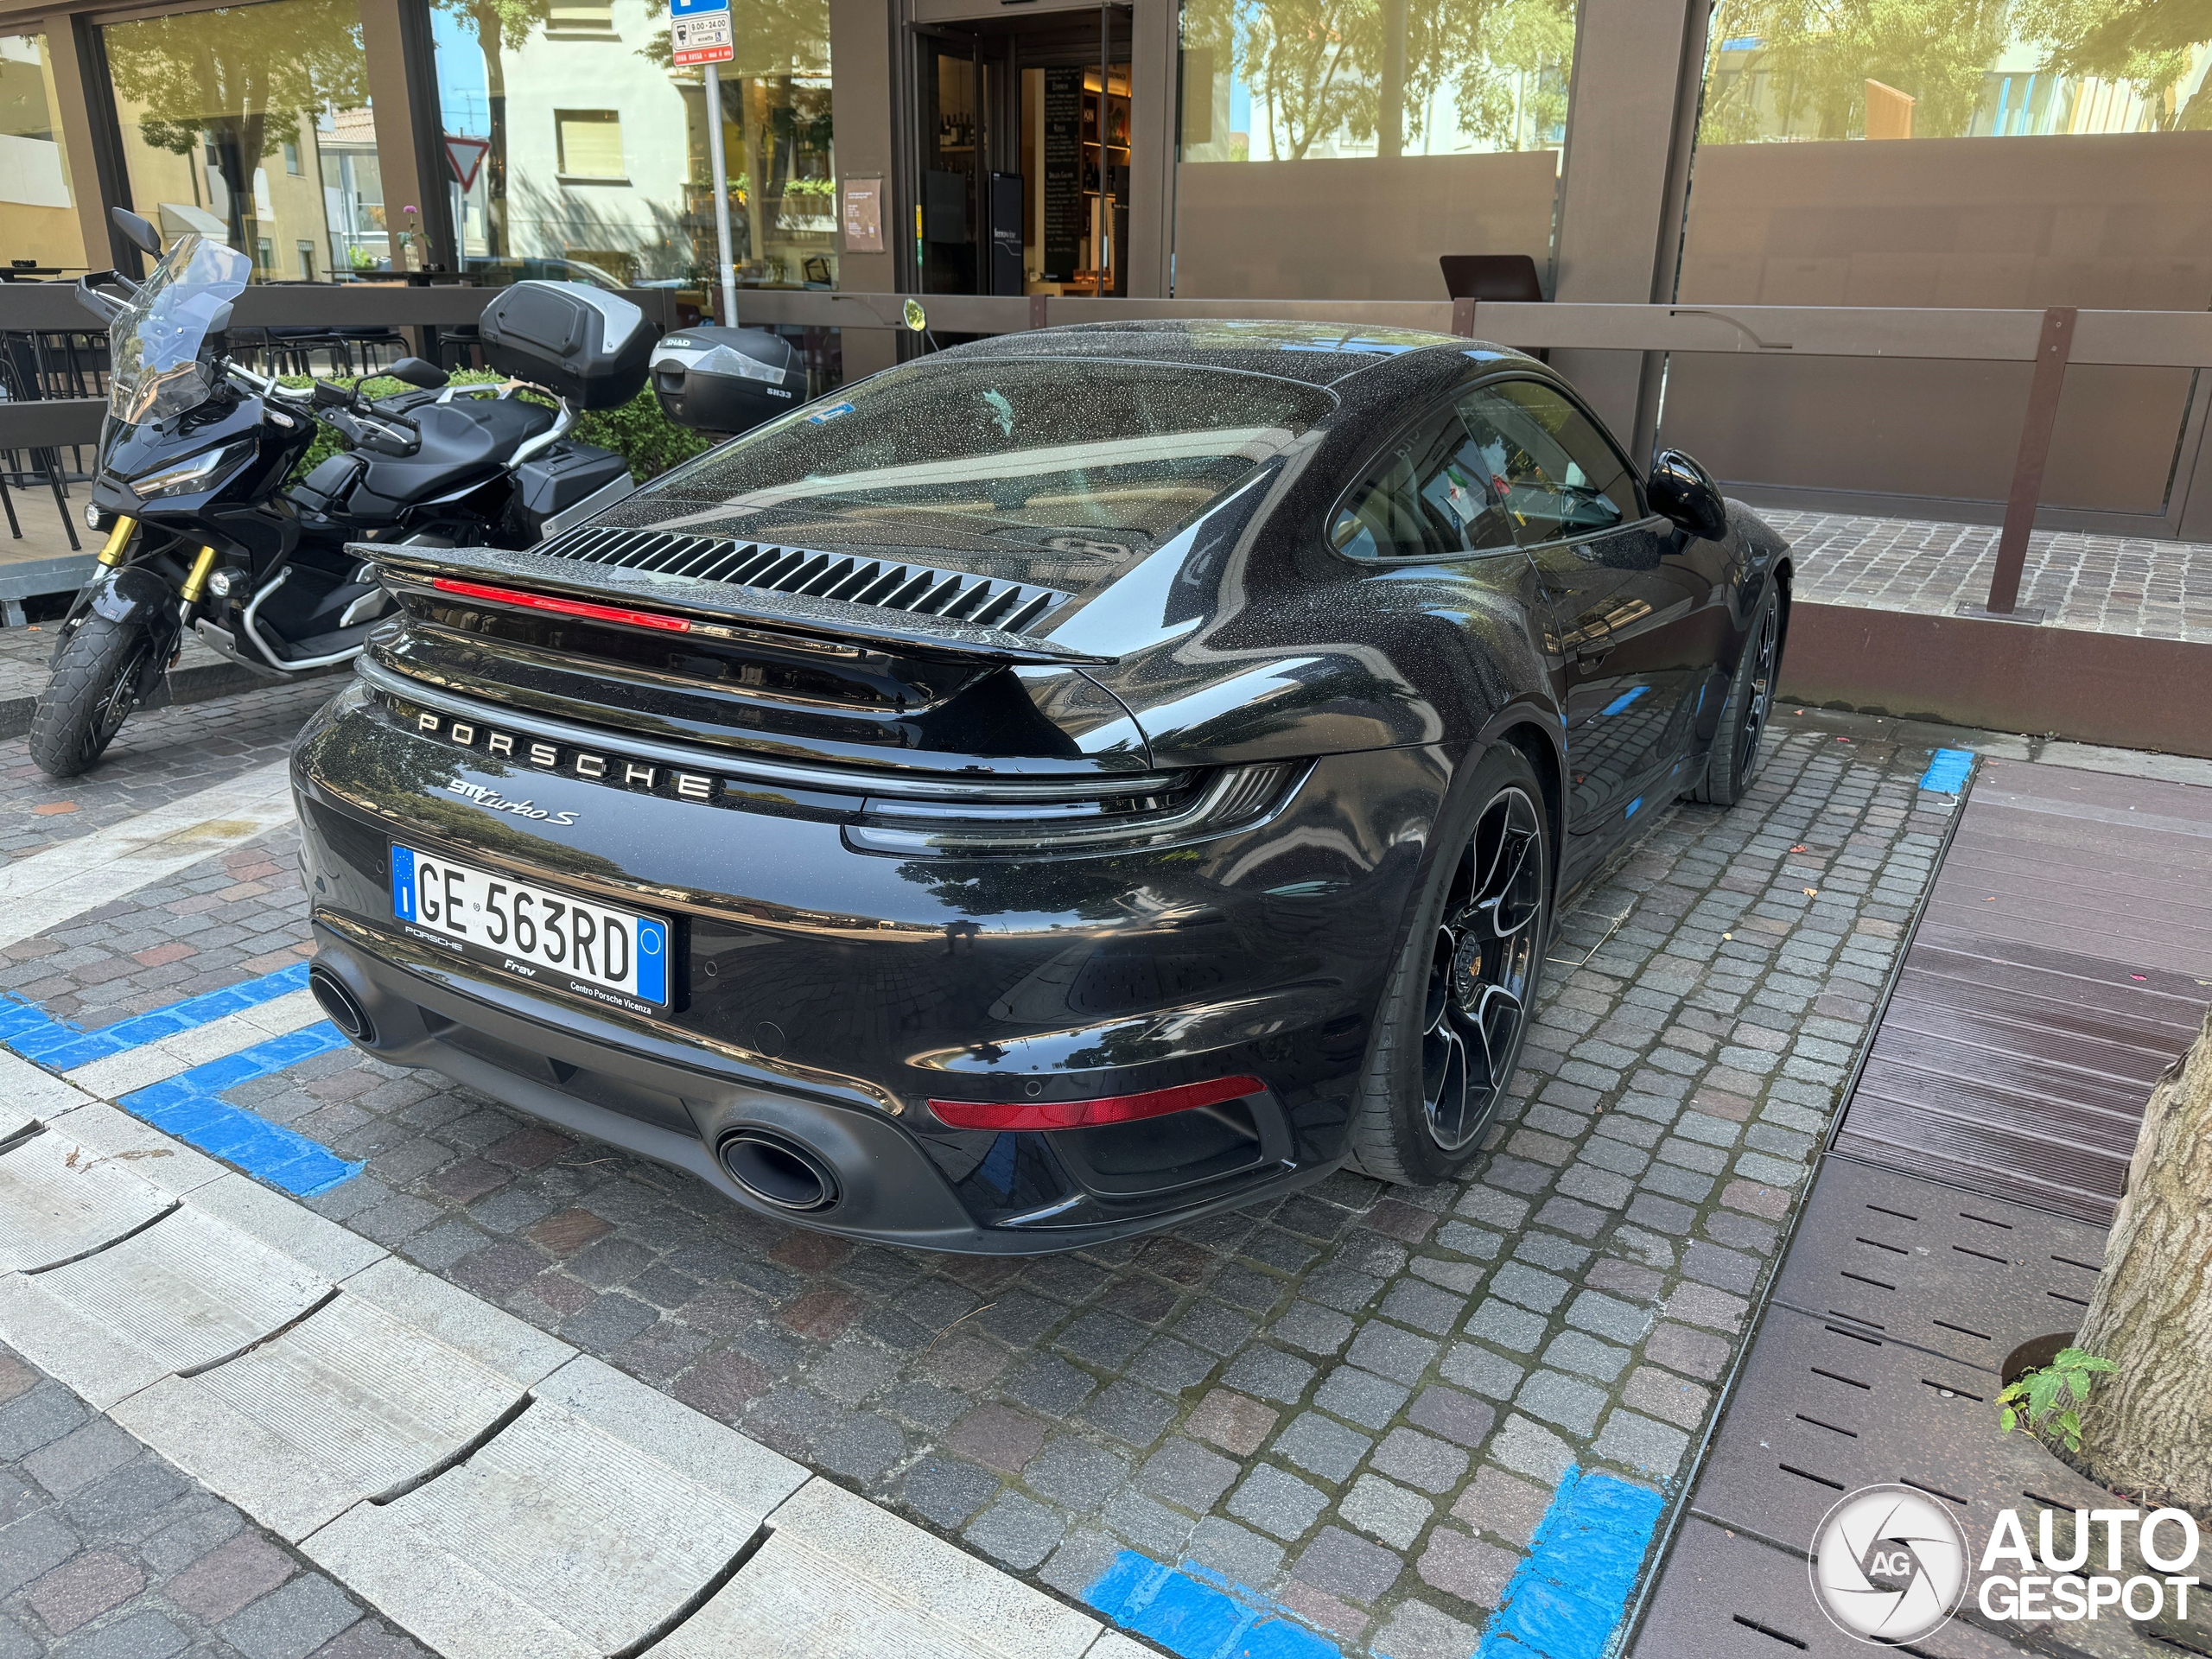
(203, 531)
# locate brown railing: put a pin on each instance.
(2050, 339)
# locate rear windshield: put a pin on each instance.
(1050, 455)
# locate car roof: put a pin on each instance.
(1318, 354)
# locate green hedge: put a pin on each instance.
(638, 431)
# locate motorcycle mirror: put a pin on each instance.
(138, 232)
(414, 371)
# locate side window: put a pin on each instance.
(1553, 472)
(1429, 496)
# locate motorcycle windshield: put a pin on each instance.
(156, 342)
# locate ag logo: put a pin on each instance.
(1889, 1565)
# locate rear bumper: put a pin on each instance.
(824, 995)
(890, 1190)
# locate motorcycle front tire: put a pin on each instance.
(93, 689)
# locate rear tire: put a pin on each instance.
(1741, 743)
(1448, 1035)
(93, 689)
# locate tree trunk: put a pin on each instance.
(2147, 1426)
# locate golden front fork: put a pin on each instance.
(196, 584)
(117, 539)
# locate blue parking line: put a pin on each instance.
(191, 1108)
(1195, 1613)
(1566, 1598)
(1947, 770)
(60, 1047)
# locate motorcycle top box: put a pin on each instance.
(726, 380)
(583, 345)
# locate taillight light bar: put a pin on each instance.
(1089, 1113)
(560, 606)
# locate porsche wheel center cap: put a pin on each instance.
(1467, 972)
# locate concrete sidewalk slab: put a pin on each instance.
(840, 1579)
(28, 1096)
(556, 1530)
(274, 1221)
(184, 1292)
(494, 1339)
(348, 1404)
(110, 1132)
(63, 1202)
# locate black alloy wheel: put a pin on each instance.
(1482, 971)
(1758, 706)
(1447, 1035)
(1737, 745)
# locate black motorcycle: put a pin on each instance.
(203, 532)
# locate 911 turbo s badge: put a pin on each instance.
(498, 803)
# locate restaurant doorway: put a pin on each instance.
(1025, 130)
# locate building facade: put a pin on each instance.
(1945, 153)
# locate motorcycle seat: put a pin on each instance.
(463, 440)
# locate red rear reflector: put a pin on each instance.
(1085, 1114)
(562, 607)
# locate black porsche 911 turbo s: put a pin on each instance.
(1062, 786)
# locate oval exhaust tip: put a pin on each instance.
(779, 1171)
(344, 1009)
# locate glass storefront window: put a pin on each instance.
(38, 208)
(1972, 153)
(1335, 152)
(594, 154)
(251, 124)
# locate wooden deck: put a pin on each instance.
(2064, 960)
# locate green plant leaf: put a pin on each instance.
(2007, 1421)
(2042, 1392)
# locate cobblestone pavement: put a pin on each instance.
(107, 1552)
(161, 756)
(1358, 1400)
(2107, 584)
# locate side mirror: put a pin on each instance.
(1684, 491)
(138, 232)
(415, 371)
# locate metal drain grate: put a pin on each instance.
(885, 584)
(1954, 1272)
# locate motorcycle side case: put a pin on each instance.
(726, 380)
(552, 482)
(586, 346)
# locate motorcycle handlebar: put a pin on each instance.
(100, 305)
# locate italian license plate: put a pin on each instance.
(538, 933)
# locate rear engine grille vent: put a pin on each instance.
(886, 584)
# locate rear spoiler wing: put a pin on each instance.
(713, 607)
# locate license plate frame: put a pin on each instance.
(645, 986)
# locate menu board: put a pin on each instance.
(1064, 212)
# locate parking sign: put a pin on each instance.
(699, 32)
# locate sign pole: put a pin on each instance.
(700, 35)
(729, 318)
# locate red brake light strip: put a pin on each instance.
(562, 606)
(1086, 1113)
